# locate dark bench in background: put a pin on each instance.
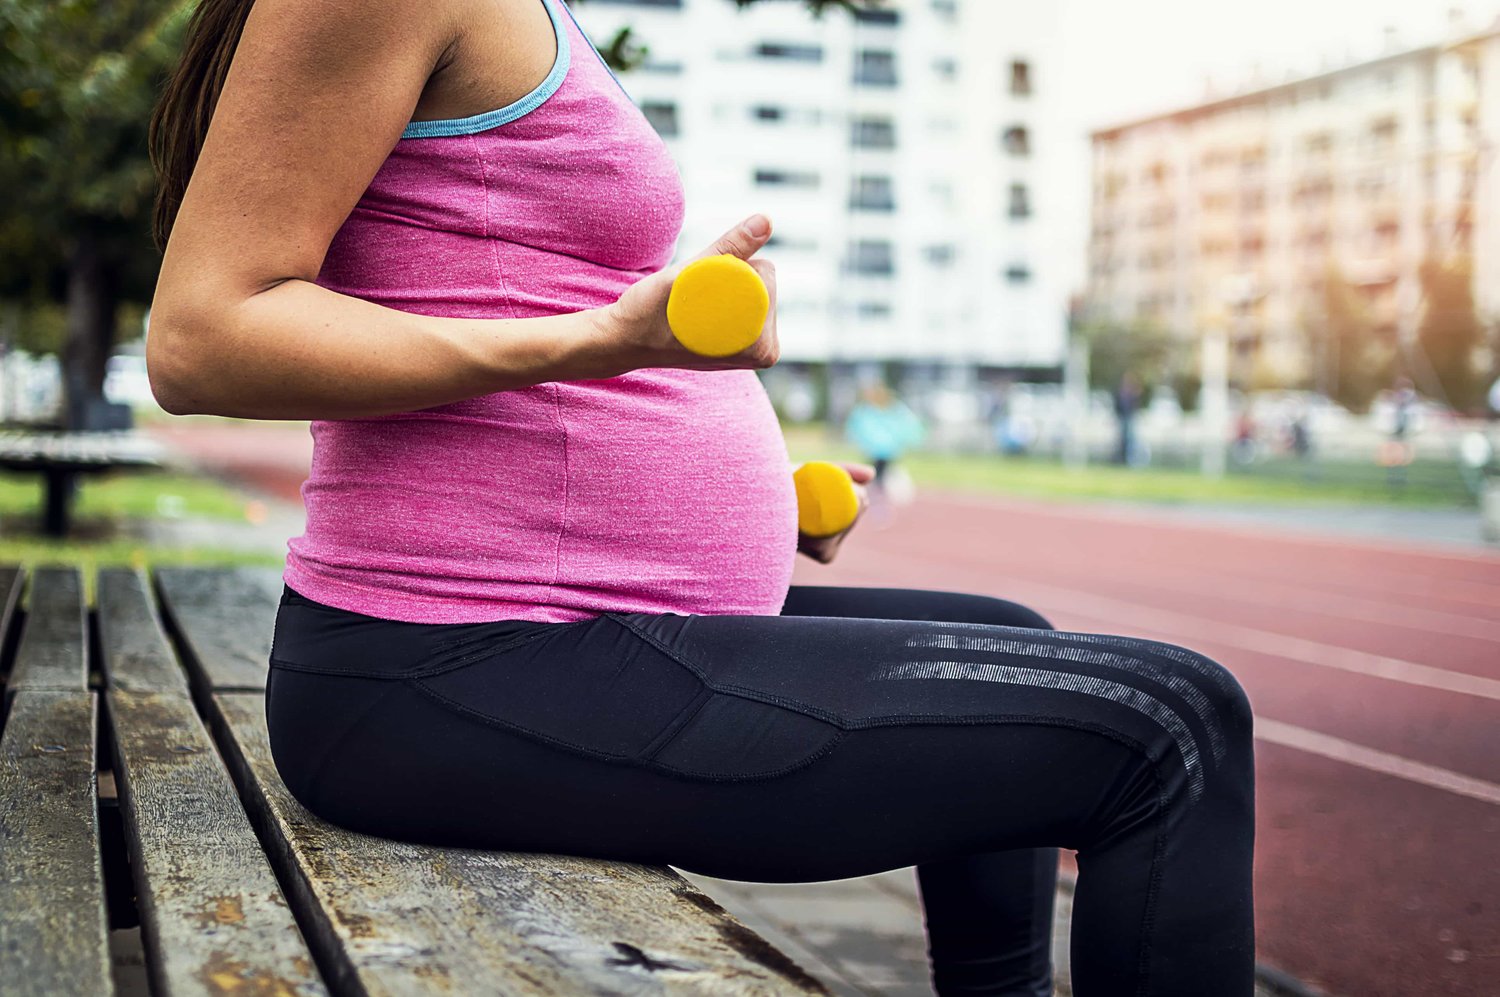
(62, 456)
(113, 727)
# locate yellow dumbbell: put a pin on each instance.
(827, 502)
(717, 306)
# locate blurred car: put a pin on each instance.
(125, 381)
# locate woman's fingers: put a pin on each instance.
(862, 474)
(744, 240)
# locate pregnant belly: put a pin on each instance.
(658, 491)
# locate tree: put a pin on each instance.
(1141, 350)
(78, 79)
(1352, 358)
(1451, 336)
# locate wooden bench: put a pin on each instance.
(60, 457)
(159, 690)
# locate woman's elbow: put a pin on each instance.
(170, 368)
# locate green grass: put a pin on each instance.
(1277, 482)
(126, 493)
(102, 502)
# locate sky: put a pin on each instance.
(1123, 59)
(1156, 54)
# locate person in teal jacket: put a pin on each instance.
(883, 428)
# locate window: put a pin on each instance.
(663, 117)
(941, 255)
(1017, 140)
(764, 112)
(871, 256)
(642, 3)
(786, 242)
(786, 178)
(1020, 201)
(874, 309)
(791, 52)
(1018, 273)
(871, 193)
(865, 15)
(1020, 78)
(875, 67)
(946, 9)
(874, 133)
(946, 68)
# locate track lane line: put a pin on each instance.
(1189, 628)
(1340, 750)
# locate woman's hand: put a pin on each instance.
(634, 329)
(824, 549)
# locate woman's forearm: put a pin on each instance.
(301, 351)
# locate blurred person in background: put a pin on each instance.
(1127, 404)
(884, 427)
(1397, 452)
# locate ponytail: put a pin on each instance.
(180, 118)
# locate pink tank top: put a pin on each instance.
(656, 491)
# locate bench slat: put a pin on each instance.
(136, 654)
(12, 580)
(52, 653)
(228, 614)
(54, 934)
(215, 919)
(400, 918)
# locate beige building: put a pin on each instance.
(1235, 210)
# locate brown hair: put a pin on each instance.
(180, 119)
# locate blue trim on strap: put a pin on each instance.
(595, 49)
(445, 127)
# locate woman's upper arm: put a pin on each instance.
(316, 96)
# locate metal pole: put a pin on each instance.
(1076, 402)
(1214, 405)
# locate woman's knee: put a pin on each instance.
(1228, 705)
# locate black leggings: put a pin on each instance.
(860, 731)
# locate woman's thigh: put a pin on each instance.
(908, 604)
(770, 748)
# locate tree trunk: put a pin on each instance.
(92, 301)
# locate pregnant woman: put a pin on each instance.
(542, 600)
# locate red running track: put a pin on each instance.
(1374, 670)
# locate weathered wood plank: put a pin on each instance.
(11, 580)
(228, 614)
(214, 919)
(54, 934)
(136, 653)
(53, 650)
(397, 918)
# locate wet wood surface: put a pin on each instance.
(215, 919)
(53, 653)
(228, 614)
(53, 929)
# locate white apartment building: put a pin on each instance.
(1369, 168)
(900, 154)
